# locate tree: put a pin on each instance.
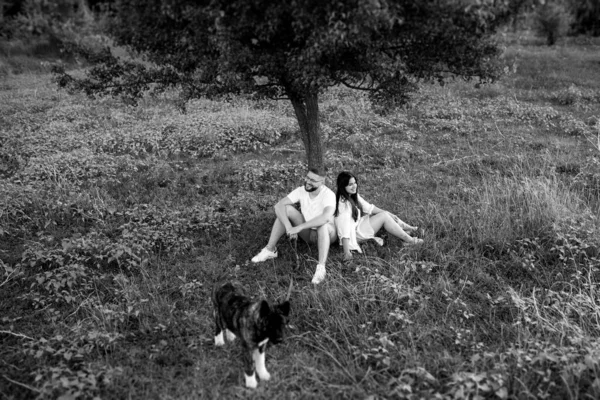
(586, 16)
(552, 20)
(515, 8)
(294, 49)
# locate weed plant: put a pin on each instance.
(116, 221)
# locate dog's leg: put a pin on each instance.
(230, 335)
(219, 340)
(251, 381)
(259, 361)
(249, 374)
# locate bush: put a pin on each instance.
(552, 20)
(45, 18)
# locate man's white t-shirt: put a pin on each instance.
(312, 207)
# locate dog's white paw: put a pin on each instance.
(251, 381)
(219, 339)
(230, 335)
(264, 375)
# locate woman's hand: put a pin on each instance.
(347, 256)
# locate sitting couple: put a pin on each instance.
(355, 219)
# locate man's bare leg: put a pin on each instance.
(278, 229)
(326, 234)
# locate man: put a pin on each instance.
(314, 224)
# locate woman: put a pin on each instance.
(356, 220)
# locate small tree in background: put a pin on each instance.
(294, 50)
(514, 9)
(552, 21)
(586, 16)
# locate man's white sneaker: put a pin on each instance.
(319, 274)
(264, 255)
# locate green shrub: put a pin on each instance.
(570, 96)
(64, 369)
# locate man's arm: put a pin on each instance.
(280, 211)
(322, 219)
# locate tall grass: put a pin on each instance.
(511, 208)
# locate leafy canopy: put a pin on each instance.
(293, 47)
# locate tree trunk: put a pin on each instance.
(307, 113)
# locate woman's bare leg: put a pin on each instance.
(404, 225)
(385, 220)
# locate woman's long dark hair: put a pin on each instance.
(343, 180)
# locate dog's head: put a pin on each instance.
(275, 319)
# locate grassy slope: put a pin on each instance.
(116, 225)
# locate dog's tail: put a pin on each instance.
(219, 280)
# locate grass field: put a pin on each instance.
(115, 221)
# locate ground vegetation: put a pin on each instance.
(116, 220)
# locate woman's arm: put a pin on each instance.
(346, 247)
(344, 221)
(377, 210)
(345, 226)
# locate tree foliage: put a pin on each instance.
(516, 8)
(24, 18)
(293, 49)
(552, 21)
(586, 16)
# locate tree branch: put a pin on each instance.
(21, 384)
(16, 334)
(370, 87)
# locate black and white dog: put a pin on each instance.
(255, 323)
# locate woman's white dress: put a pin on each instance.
(355, 231)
